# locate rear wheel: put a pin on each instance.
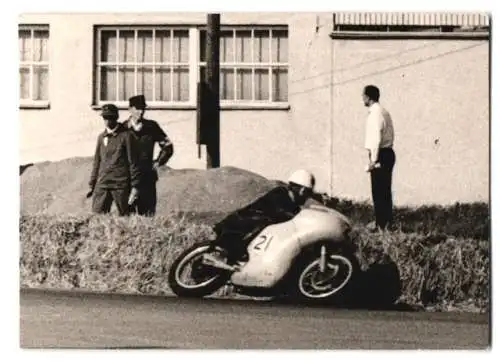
(189, 277)
(333, 284)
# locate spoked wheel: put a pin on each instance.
(189, 277)
(312, 284)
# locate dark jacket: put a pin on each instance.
(274, 207)
(115, 164)
(147, 136)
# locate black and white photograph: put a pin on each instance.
(255, 180)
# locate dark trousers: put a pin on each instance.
(147, 199)
(103, 199)
(381, 180)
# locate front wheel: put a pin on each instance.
(202, 280)
(333, 284)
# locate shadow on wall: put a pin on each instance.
(23, 167)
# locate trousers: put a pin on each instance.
(104, 198)
(381, 183)
(147, 199)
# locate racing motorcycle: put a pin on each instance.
(310, 257)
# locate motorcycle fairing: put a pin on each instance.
(271, 252)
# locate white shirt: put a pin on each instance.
(379, 128)
(135, 124)
(109, 131)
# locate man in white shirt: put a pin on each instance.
(379, 140)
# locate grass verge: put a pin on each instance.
(133, 255)
(441, 253)
(103, 253)
(439, 272)
(460, 220)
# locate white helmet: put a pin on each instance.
(302, 178)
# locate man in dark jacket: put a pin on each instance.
(115, 172)
(147, 133)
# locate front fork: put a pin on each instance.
(322, 259)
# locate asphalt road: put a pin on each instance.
(76, 320)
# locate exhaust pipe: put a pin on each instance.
(212, 261)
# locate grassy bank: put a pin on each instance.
(460, 220)
(434, 270)
(441, 253)
(106, 254)
(132, 255)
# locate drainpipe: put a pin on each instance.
(331, 146)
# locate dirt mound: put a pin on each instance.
(59, 188)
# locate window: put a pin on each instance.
(149, 61)
(410, 25)
(33, 65)
(165, 63)
(406, 28)
(253, 64)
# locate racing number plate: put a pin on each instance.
(262, 242)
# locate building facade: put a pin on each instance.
(291, 88)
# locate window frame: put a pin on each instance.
(193, 64)
(31, 103)
(97, 65)
(411, 25)
(389, 32)
(235, 65)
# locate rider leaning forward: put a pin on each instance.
(280, 204)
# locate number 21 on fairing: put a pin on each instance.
(263, 242)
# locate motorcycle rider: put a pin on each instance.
(280, 204)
